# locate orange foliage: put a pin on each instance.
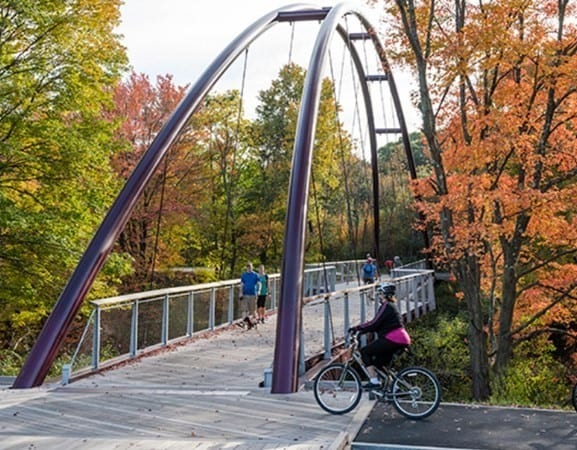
(507, 144)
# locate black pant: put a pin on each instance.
(379, 352)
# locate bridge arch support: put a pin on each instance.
(285, 366)
(44, 352)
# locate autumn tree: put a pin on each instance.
(221, 225)
(274, 130)
(158, 227)
(57, 63)
(497, 96)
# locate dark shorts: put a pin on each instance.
(260, 301)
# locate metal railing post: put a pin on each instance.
(165, 315)
(211, 309)
(347, 317)
(302, 363)
(134, 329)
(333, 279)
(363, 297)
(190, 315)
(96, 340)
(273, 299)
(231, 304)
(327, 329)
(421, 285)
(415, 296)
(431, 291)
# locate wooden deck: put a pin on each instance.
(203, 395)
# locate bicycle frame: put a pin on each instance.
(387, 374)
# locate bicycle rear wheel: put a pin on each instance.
(416, 392)
(337, 389)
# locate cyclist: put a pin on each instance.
(391, 334)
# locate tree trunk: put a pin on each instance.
(511, 250)
(468, 273)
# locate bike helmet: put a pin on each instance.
(387, 289)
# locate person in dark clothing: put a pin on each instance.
(391, 334)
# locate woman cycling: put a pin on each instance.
(391, 334)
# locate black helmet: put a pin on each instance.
(387, 289)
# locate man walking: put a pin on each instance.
(250, 282)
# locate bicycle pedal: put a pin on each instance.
(372, 395)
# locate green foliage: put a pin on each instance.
(56, 69)
(10, 362)
(441, 346)
(533, 379)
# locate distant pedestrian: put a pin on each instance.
(262, 295)
(369, 271)
(397, 261)
(250, 282)
(389, 264)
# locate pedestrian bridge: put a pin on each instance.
(128, 326)
(185, 376)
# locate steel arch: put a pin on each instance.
(53, 333)
(285, 365)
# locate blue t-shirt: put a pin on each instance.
(369, 270)
(249, 282)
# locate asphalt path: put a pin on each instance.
(455, 426)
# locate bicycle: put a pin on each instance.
(415, 392)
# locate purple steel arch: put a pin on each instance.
(285, 364)
(44, 351)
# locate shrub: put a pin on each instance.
(534, 378)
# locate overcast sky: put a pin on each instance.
(182, 37)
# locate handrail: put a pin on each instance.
(162, 317)
(173, 314)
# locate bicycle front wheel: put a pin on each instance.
(416, 392)
(337, 389)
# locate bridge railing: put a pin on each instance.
(345, 271)
(352, 305)
(125, 326)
